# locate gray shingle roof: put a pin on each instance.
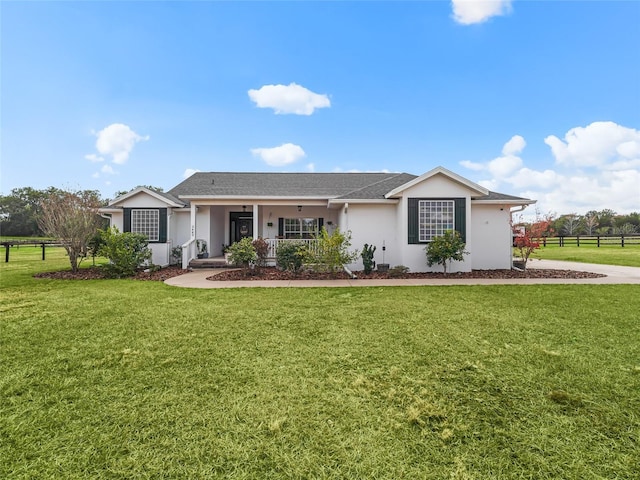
(300, 185)
(323, 185)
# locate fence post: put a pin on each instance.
(6, 253)
(598, 237)
(622, 240)
(43, 251)
(577, 240)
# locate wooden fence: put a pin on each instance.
(592, 240)
(18, 243)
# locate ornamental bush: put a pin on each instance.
(243, 253)
(443, 249)
(333, 250)
(127, 252)
(290, 256)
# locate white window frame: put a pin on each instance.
(435, 217)
(146, 222)
(304, 227)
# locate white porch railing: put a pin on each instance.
(274, 243)
(188, 252)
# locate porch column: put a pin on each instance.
(194, 209)
(256, 221)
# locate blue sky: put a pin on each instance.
(533, 98)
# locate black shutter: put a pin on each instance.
(461, 217)
(320, 224)
(280, 227)
(412, 207)
(162, 234)
(126, 221)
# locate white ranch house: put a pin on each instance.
(398, 211)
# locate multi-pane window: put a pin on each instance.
(434, 218)
(146, 222)
(300, 227)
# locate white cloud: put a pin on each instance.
(596, 167)
(514, 146)
(108, 169)
(189, 171)
(502, 167)
(280, 156)
(117, 140)
(92, 157)
(595, 145)
(311, 167)
(292, 98)
(468, 12)
(472, 165)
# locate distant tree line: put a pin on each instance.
(594, 222)
(21, 209)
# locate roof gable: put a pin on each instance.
(473, 187)
(167, 198)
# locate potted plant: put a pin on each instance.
(201, 245)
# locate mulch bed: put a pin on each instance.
(272, 273)
(96, 273)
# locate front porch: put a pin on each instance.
(273, 243)
(222, 223)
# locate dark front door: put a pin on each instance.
(241, 226)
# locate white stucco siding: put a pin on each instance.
(414, 255)
(491, 245)
(373, 224)
(437, 186)
(180, 227)
(203, 225)
(142, 200)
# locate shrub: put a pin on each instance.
(397, 271)
(333, 250)
(127, 252)
(176, 255)
(262, 250)
(243, 253)
(291, 255)
(443, 249)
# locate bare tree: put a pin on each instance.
(571, 224)
(590, 223)
(71, 217)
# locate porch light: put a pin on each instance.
(244, 208)
(299, 208)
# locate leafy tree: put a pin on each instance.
(72, 218)
(127, 252)
(19, 211)
(445, 248)
(530, 240)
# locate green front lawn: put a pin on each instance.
(130, 379)
(606, 255)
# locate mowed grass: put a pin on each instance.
(130, 379)
(605, 255)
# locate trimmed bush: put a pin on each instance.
(127, 252)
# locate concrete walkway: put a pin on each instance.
(615, 275)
